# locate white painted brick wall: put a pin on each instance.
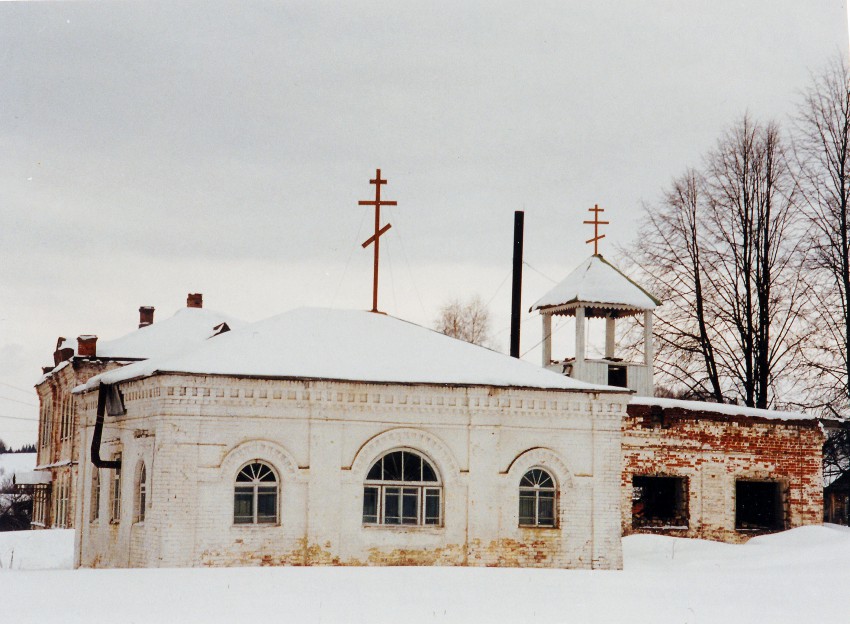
(322, 437)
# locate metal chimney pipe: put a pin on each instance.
(516, 292)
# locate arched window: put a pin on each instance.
(255, 495)
(537, 497)
(141, 492)
(402, 488)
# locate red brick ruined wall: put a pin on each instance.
(712, 451)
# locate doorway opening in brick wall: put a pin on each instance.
(759, 505)
(659, 502)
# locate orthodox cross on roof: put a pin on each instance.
(596, 223)
(375, 238)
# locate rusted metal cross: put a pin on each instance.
(596, 223)
(376, 237)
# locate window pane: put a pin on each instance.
(526, 508)
(432, 506)
(428, 473)
(243, 507)
(546, 509)
(410, 506)
(392, 505)
(264, 473)
(267, 506)
(375, 472)
(370, 505)
(412, 467)
(392, 467)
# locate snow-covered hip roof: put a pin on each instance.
(351, 345)
(186, 328)
(596, 283)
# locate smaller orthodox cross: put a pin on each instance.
(596, 223)
(375, 238)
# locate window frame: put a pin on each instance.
(94, 512)
(115, 493)
(535, 491)
(257, 487)
(399, 494)
(140, 494)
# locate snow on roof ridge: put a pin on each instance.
(726, 409)
(349, 345)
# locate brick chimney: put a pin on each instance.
(194, 300)
(87, 346)
(61, 354)
(146, 316)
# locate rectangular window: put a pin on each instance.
(370, 505)
(410, 506)
(392, 505)
(67, 423)
(759, 506)
(95, 495)
(660, 502)
(116, 492)
(46, 418)
(432, 506)
(41, 504)
(64, 498)
(266, 504)
(243, 505)
(527, 501)
(617, 376)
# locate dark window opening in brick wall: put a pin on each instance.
(759, 506)
(660, 502)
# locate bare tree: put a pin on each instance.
(822, 146)
(15, 506)
(669, 252)
(756, 258)
(468, 321)
(723, 251)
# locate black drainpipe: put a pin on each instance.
(516, 293)
(98, 431)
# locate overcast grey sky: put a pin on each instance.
(150, 150)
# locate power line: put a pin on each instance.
(16, 401)
(29, 392)
(19, 418)
(539, 272)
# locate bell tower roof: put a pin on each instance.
(599, 287)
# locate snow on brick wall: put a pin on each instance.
(713, 451)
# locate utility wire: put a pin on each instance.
(19, 418)
(393, 215)
(29, 392)
(2, 398)
(539, 272)
(490, 300)
(350, 255)
(540, 342)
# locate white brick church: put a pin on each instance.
(344, 437)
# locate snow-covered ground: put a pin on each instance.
(798, 576)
